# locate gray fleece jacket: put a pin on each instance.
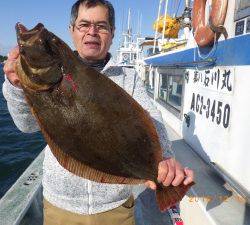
(64, 189)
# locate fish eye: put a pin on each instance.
(21, 49)
(40, 41)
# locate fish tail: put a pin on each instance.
(167, 197)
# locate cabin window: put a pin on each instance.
(242, 9)
(150, 51)
(163, 86)
(170, 91)
(150, 82)
(175, 91)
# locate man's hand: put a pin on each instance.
(170, 171)
(9, 67)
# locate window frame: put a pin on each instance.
(240, 13)
(170, 107)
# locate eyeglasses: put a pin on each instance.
(101, 27)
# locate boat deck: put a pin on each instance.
(211, 200)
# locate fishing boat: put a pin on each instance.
(202, 92)
(128, 50)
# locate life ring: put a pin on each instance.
(125, 57)
(204, 34)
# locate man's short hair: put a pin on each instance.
(92, 3)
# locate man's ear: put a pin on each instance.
(71, 29)
(113, 32)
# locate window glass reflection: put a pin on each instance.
(170, 90)
(150, 82)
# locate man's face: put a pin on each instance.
(92, 41)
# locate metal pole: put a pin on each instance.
(128, 18)
(187, 21)
(129, 35)
(140, 24)
(164, 25)
(157, 25)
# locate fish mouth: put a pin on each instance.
(23, 34)
(37, 46)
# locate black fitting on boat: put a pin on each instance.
(187, 119)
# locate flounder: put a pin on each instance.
(94, 128)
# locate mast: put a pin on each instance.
(129, 18)
(187, 19)
(129, 27)
(127, 34)
(139, 21)
(164, 24)
(157, 25)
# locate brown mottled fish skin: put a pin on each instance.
(93, 127)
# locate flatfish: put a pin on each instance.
(93, 127)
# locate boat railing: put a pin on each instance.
(23, 197)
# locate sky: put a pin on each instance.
(55, 15)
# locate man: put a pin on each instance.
(69, 199)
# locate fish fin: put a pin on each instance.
(82, 170)
(167, 197)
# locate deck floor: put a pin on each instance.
(147, 212)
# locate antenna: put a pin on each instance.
(122, 21)
(129, 20)
(140, 24)
(139, 21)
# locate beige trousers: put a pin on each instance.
(123, 215)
